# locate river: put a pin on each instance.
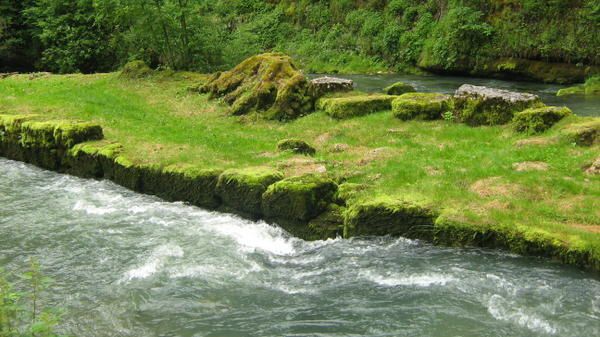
(581, 105)
(126, 264)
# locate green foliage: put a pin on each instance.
(22, 313)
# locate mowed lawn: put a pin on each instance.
(483, 176)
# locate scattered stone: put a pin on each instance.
(530, 166)
(135, 70)
(268, 84)
(296, 146)
(327, 85)
(537, 120)
(594, 169)
(477, 105)
(399, 88)
(426, 106)
(337, 148)
(353, 106)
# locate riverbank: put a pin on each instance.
(487, 186)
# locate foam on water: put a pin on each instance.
(133, 265)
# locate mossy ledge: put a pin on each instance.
(311, 207)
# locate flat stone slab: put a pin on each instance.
(468, 90)
(325, 85)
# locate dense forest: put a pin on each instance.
(86, 36)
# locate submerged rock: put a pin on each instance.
(296, 146)
(538, 120)
(327, 85)
(399, 88)
(478, 105)
(427, 106)
(268, 84)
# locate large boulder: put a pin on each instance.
(326, 85)
(269, 84)
(478, 105)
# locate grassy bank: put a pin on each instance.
(480, 179)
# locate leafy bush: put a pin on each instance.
(21, 313)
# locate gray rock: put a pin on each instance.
(478, 105)
(325, 85)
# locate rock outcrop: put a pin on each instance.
(478, 105)
(268, 84)
(399, 88)
(537, 120)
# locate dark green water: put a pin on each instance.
(126, 264)
(581, 105)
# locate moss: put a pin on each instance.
(330, 224)
(269, 84)
(241, 189)
(194, 185)
(426, 106)
(352, 106)
(583, 134)
(135, 70)
(411, 217)
(399, 88)
(296, 146)
(525, 241)
(538, 120)
(62, 134)
(590, 88)
(298, 198)
(348, 192)
(92, 160)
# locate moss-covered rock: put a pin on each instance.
(390, 216)
(399, 88)
(135, 70)
(298, 198)
(269, 84)
(196, 186)
(583, 134)
(348, 192)
(241, 189)
(92, 159)
(590, 88)
(296, 146)
(538, 120)
(352, 106)
(477, 105)
(425, 106)
(330, 224)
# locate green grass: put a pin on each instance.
(466, 171)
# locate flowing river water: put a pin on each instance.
(126, 264)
